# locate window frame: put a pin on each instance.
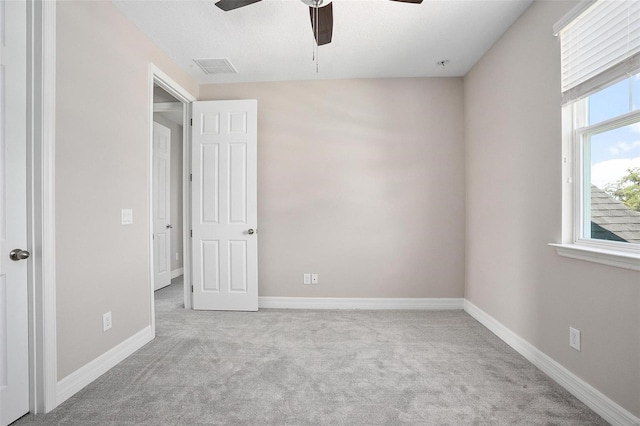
(582, 179)
(574, 245)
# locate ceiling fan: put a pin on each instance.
(320, 11)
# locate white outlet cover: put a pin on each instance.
(106, 321)
(314, 278)
(574, 338)
(126, 216)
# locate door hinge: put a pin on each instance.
(190, 177)
(191, 288)
(191, 122)
(191, 233)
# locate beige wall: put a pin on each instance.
(175, 189)
(102, 79)
(513, 160)
(360, 181)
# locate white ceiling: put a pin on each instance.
(272, 40)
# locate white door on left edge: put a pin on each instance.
(224, 205)
(14, 337)
(161, 206)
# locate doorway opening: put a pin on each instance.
(167, 171)
(169, 197)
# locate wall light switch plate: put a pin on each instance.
(127, 216)
(306, 278)
(574, 338)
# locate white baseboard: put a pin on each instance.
(80, 378)
(594, 399)
(359, 303)
(177, 272)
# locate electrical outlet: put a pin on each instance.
(306, 278)
(314, 278)
(126, 216)
(574, 338)
(106, 321)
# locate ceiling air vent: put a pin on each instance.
(216, 66)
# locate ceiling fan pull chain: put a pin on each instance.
(317, 34)
(313, 25)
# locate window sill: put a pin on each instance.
(598, 255)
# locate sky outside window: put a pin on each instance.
(615, 151)
(635, 81)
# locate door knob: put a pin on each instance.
(250, 231)
(19, 254)
(169, 226)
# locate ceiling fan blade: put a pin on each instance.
(228, 5)
(409, 1)
(323, 26)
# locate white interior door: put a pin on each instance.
(224, 205)
(14, 351)
(161, 206)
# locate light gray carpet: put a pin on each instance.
(279, 367)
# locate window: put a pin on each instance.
(608, 148)
(600, 47)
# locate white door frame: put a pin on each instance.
(41, 83)
(157, 76)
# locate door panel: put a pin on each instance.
(14, 351)
(161, 206)
(224, 189)
(238, 183)
(210, 266)
(238, 266)
(209, 194)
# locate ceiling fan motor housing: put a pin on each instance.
(316, 3)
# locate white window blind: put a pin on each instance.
(606, 34)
